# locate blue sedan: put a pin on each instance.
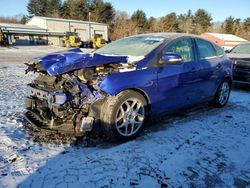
(115, 89)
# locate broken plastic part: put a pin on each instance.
(87, 123)
(59, 98)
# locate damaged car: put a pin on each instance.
(116, 88)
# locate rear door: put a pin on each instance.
(211, 67)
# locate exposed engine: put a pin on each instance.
(70, 101)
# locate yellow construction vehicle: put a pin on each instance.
(1, 38)
(97, 41)
(71, 39)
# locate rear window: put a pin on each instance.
(219, 50)
(206, 49)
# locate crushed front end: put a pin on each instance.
(61, 103)
(65, 96)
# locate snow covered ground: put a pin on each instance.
(201, 147)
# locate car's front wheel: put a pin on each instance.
(222, 94)
(123, 116)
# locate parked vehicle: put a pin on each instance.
(240, 55)
(4, 42)
(98, 41)
(71, 39)
(117, 87)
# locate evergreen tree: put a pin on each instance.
(186, 22)
(246, 24)
(122, 26)
(65, 10)
(23, 20)
(152, 24)
(169, 23)
(228, 25)
(101, 11)
(231, 25)
(202, 21)
(32, 7)
(75, 9)
(246, 27)
(237, 25)
(140, 18)
(37, 7)
(54, 8)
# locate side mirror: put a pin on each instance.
(228, 51)
(170, 58)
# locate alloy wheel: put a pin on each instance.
(129, 117)
(224, 93)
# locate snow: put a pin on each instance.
(199, 147)
(130, 58)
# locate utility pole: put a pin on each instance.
(89, 26)
(89, 16)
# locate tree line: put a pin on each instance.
(96, 10)
(20, 19)
(121, 24)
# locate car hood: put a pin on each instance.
(234, 56)
(63, 62)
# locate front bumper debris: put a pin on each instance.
(35, 120)
(62, 107)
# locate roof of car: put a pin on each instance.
(169, 35)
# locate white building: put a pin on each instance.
(21, 34)
(52, 29)
(84, 29)
(227, 41)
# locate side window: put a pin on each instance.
(182, 47)
(219, 50)
(205, 48)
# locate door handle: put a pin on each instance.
(193, 70)
(218, 66)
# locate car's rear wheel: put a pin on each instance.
(123, 116)
(222, 94)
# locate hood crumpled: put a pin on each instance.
(63, 62)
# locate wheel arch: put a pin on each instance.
(140, 91)
(229, 78)
(112, 103)
(143, 93)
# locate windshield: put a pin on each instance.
(241, 49)
(132, 46)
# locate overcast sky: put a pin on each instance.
(219, 9)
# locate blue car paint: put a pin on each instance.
(144, 80)
(167, 87)
(212, 71)
(88, 95)
(63, 62)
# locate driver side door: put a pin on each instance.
(177, 83)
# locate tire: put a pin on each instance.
(118, 119)
(222, 94)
